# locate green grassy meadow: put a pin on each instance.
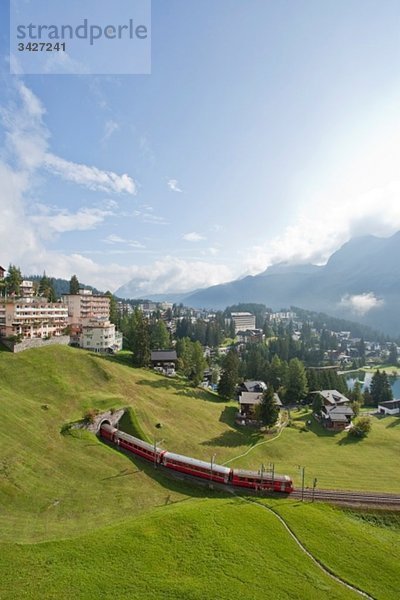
(80, 519)
(205, 549)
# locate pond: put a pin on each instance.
(365, 379)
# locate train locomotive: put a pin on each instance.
(197, 468)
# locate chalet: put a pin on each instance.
(332, 397)
(164, 361)
(252, 386)
(391, 407)
(336, 417)
(248, 400)
(336, 413)
(2, 271)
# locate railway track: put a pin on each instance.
(346, 497)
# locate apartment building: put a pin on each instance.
(85, 306)
(99, 335)
(32, 318)
(243, 321)
(89, 319)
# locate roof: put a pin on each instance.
(250, 398)
(339, 414)
(255, 474)
(197, 463)
(390, 404)
(255, 398)
(252, 386)
(163, 355)
(129, 438)
(338, 418)
(332, 396)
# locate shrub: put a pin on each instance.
(361, 427)
(91, 414)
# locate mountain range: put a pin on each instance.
(360, 282)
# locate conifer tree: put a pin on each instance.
(269, 410)
(297, 387)
(74, 285)
(13, 280)
(229, 378)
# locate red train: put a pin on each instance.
(197, 468)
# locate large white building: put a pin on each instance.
(243, 321)
(89, 319)
(32, 318)
(99, 335)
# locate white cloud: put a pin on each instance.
(174, 185)
(175, 275)
(90, 177)
(193, 237)
(352, 188)
(109, 128)
(25, 225)
(360, 304)
(116, 239)
(63, 220)
(28, 141)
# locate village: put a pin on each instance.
(198, 343)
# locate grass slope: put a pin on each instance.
(50, 484)
(223, 550)
(112, 526)
(363, 547)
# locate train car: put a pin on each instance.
(107, 431)
(143, 449)
(254, 480)
(130, 443)
(198, 468)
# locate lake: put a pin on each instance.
(365, 380)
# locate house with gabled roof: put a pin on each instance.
(164, 361)
(336, 412)
(247, 402)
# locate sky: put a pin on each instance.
(267, 131)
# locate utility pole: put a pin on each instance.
(261, 477)
(302, 469)
(272, 467)
(155, 450)
(212, 464)
(313, 489)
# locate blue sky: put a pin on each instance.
(267, 131)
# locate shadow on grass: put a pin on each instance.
(314, 426)
(394, 423)
(123, 473)
(162, 383)
(350, 440)
(182, 388)
(232, 439)
(228, 415)
(123, 358)
(172, 481)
